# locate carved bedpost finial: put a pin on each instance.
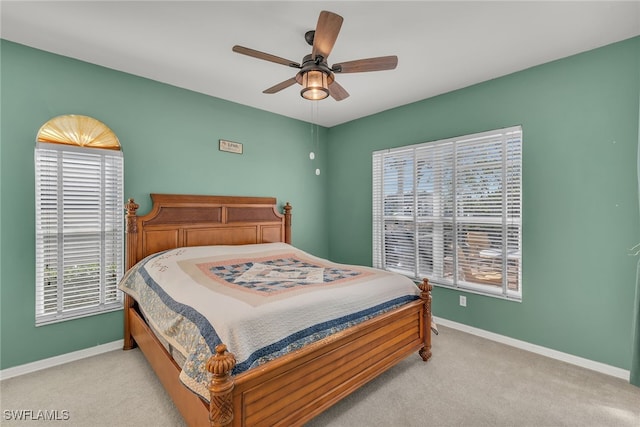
(287, 223)
(221, 403)
(131, 207)
(287, 208)
(425, 286)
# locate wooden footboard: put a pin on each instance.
(304, 386)
(294, 388)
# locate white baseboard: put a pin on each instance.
(558, 355)
(60, 360)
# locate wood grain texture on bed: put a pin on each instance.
(293, 388)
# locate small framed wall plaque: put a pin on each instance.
(230, 146)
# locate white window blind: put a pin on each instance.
(79, 231)
(450, 210)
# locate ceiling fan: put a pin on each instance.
(315, 75)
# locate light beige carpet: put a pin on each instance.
(469, 381)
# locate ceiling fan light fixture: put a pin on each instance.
(315, 85)
(315, 75)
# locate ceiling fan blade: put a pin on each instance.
(282, 85)
(266, 56)
(327, 30)
(370, 64)
(337, 92)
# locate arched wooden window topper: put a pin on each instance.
(84, 131)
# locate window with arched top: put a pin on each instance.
(79, 170)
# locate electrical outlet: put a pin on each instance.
(463, 300)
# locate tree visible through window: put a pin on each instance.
(450, 210)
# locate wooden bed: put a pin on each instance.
(294, 388)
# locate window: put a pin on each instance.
(79, 231)
(450, 210)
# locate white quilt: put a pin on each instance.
(262, 301)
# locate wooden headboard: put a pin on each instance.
(177, 220)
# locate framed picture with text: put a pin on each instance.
(230, 146)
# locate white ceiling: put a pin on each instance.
(441, 45)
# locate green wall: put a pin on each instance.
(170, 143)
(580, 195)
(580, 198)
